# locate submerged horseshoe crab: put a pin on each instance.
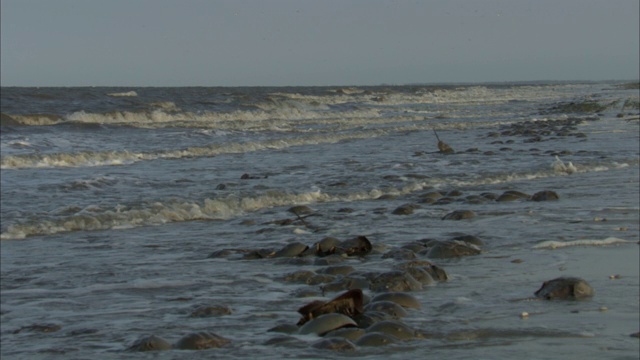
(565, 288)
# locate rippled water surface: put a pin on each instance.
(115, 204)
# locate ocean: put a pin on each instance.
(131, 212)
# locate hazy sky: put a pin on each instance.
(314, 42)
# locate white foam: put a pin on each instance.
(460, 95)
(585, 242)
(157, 213)
(127, 93)
(560, 167)
(37, 119)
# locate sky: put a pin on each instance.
(315, 42)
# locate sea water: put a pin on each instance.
(113, 199)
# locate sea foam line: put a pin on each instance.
(161, 212)
(586, 242)
(110, 158)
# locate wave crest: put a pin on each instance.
(587, 242)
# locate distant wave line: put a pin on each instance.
(161, 212)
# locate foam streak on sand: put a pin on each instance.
(585, 242)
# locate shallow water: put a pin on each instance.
(111, 206)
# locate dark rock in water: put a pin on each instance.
(150, 343)
(565, 288)
(201, 340)
(451, 249)
(459, 215)
(395, 281)
(206, 311)
(545, 196)
(358, 246)
(335, 344)
(348, 303)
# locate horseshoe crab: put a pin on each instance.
(565, 288)
(348, 303)
(291, 250)
(358, 246)
(400, 298)
(459, 215)
(451, 249)
(394, 328)
(395, 281)
(389, 307)
(201, 340)
(150, 343)
(335, 343)
(350, 333)
(325, 323)
(376, 339)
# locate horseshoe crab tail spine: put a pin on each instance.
(434, 131)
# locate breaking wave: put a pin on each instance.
(160, 212)
(590, 242)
